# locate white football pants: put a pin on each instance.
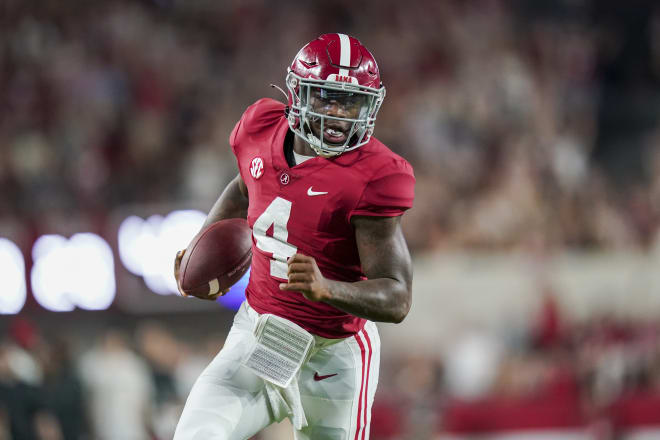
(337, 387)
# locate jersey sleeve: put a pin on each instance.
(249, 122)
(234, 136)
(390, 192)
(257, 117)
(234, 141)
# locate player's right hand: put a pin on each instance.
(177, 268)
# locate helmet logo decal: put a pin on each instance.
(342, 78)
(344, 60)
(257, 167)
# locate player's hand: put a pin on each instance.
(305, 277)
(177, 267)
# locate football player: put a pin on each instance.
(324, 199)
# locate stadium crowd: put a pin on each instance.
(528, 127)
(499, 109)
(600, 377)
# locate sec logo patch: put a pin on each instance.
(257, 167)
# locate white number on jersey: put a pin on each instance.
(277, 214)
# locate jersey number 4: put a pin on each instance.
(277, 215)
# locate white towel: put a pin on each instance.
(280, 349)
(285, 402)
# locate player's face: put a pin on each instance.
(339, 104)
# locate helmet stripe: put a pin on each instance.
(344, 54)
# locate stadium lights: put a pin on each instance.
(147, 249)
(78, 272)
(13, 294)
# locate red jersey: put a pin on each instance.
(307, 209)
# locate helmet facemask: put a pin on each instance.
(327, 108)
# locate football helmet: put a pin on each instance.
(334, 95)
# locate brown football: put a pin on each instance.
(216, 258)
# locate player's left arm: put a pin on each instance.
(385, 296)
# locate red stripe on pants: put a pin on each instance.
(359, 414)
(366, 389)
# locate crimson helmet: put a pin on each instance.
(334, 86)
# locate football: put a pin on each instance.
(216, 258)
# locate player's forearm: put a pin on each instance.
(232, 203)
(382, 299)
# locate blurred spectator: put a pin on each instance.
(163, 354)
(19, 400)
(119, 387)
(471, 366)
(62, 392)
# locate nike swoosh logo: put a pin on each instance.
(317, 377)
(310, 192)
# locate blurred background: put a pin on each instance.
(534, 133)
